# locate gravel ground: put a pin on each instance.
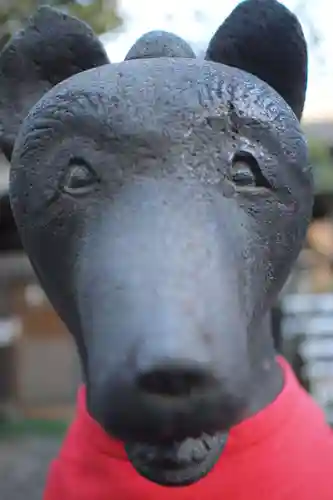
(23, 466)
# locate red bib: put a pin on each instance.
(285, 452)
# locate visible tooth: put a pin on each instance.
(192, 450)
(199, 451)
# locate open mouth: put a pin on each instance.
(177, 463)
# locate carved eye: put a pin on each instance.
(242, 174)
(80, 178)
(246, 172)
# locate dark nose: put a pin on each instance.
(175, 380)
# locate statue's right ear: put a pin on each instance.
(264, 38)
(52, 47)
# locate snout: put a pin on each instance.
(164, 329)
(170, 400)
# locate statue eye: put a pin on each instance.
(245, 172)
(242, 174)
(79, 178)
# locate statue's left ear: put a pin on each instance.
(49, 49)
(264, 38)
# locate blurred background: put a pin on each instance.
(39, 372)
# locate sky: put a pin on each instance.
(197, 20)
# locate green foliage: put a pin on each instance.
(101, 15)
(322, 163)
(21, 428)
(319, 152)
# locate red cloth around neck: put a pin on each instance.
(284, 452)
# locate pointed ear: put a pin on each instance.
(264, 38)
(160, 44)
(52, 47)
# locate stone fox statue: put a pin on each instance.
(162, 202)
